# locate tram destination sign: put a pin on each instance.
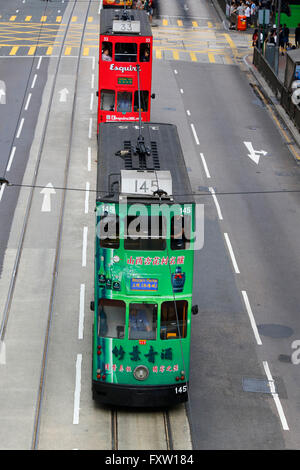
(125, 81)
(120, 26)
(144, 284)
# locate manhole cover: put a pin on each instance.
(256, 385)
(275, 331)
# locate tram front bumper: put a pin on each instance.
(142, 396)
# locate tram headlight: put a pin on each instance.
(141, 373)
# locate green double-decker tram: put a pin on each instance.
(144, 252)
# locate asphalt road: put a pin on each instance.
(24, 79)
(244, 387)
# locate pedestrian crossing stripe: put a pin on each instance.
(174, 54)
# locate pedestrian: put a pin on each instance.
(255, 38)
(281, 40)
(148, 8)
(297, 36)
(248, 15)
(253, 9)
(286, 34)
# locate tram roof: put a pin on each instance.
(165, 156)
(107, 17)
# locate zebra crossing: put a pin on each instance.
(192, 39)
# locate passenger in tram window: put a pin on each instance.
(107, 51)
(146, 56)
(106, 56)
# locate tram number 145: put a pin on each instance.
(182, 389)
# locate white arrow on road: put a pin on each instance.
(254, 154)
(63, 95)
(47, 191)
(2, 92)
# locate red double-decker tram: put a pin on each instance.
(117, 3)
(125, 43)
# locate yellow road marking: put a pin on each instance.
(68, 50)
(211, 57)
(90, 19)
(74, 18)
(43, 19)
(165, 22)
(58, 19)
(175, 55)
(231, 44)
(12, 18)
(209, 24)
(195, 24)
(86, 51)
(14, 50)
(32, 50)
(49, 50)
(179, 22)
(193, 56)
(158, 53)
(28, 18)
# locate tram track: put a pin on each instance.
(10, 294)
(139, 421)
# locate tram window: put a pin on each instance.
(126, 52)
(170, 328)
(144, 53)
(107, 51)
(144, 101)
(180, 232)
(142, 321)
(111, 318)
(124, 102)
(108, 231)
(145, 233)
(107, 100)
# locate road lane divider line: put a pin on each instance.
(89, 164)
(282, 417)
(81, 311)
(2, 188)
(219, 212)
(39, 63)
(20, 128)
(195, 134)
(251, 317)
(84, 246)
(34, 80)
(11, 158)
(188, 112)
(93, 81)
(90, 127)
(87, 195)
(91, 101)
(77, 390)
(229, 246)
(205, 166)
